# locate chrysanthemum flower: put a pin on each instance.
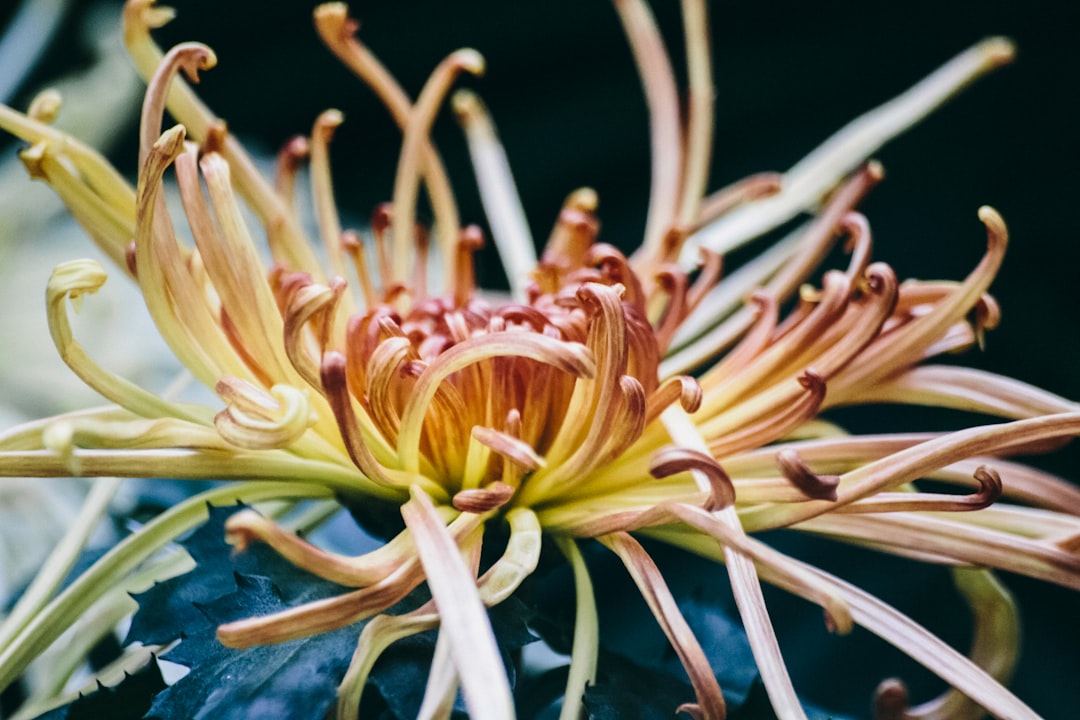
(612, 397)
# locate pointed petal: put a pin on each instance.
(417, 131)
(746, 588)
(818, 172)
(647, 577)
(506, 217)
(464, 619)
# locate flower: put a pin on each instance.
(566, 411)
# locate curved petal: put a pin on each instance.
(453, 587)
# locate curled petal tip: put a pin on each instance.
(381, 217)
(239, 529)
(470, 61)
(584, 199)
(998, 50)
(481, 500)
(691, 709)
(875, 171)
(464, 102)
(335, 16)
(332, 8)
(510, 448)
(880, 279)
(671, 460)
(45, 106)
(332, 372)
(990, 487)
(149, 14)
(328, 120)
(812, 380)
(995, 225)
(216, 134)
(760, 299)
(891, 700)
(817, 487)
(987, 313)
(76, 277)
(593, 295)
(840, 626)
(691, 394)
(194, 57)
(171, 142)
(32, 158)
(472, 238)
(297, 148)
(258, 421)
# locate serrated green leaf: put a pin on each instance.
(297, 679)
(127, 700)
(168, 611)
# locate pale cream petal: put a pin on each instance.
(502, 205)
(699, 117)
(407, 180)
(338, 31)
(818, 172)
(666, 145)
(378, 634)
(464, 619)
(746, 588)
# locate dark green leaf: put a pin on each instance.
(297, 679)
(757, 707)
(625, 690)
(640, 675)
(539, 696)
(168, 610)
(128, 700)
(401, 673)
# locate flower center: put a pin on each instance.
(479, 397)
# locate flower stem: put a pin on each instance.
(586, 633)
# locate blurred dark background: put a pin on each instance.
(562, 88)
(563, 91)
